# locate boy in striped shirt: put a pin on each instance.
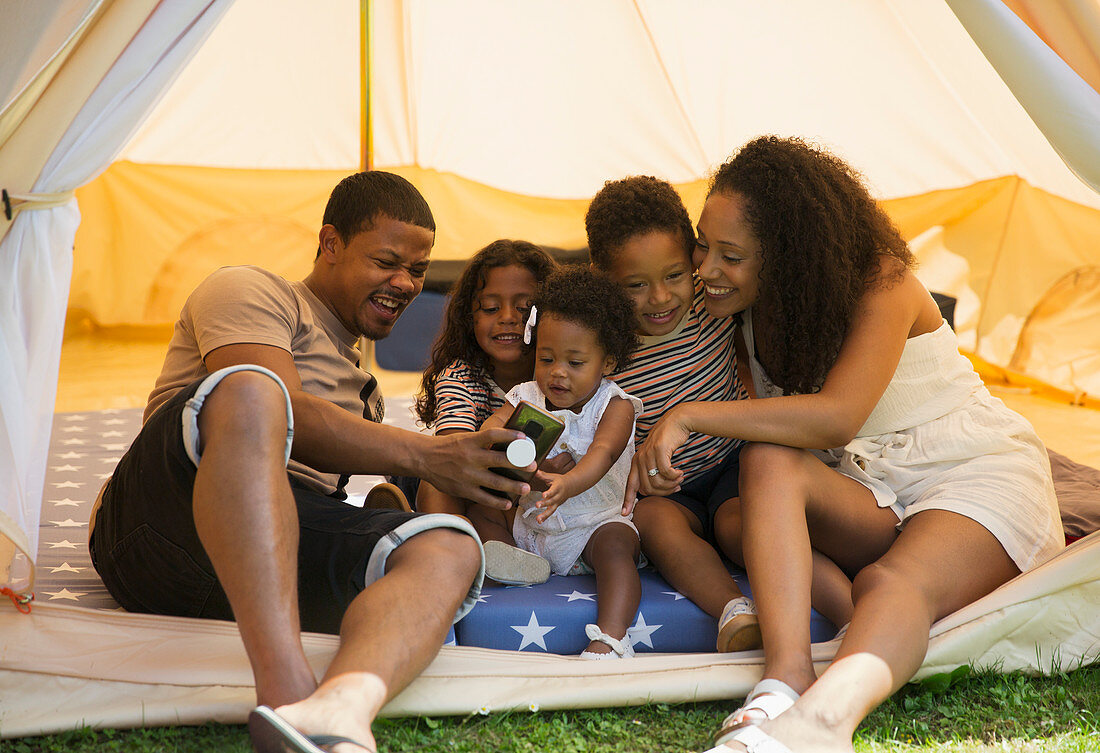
(640, 234)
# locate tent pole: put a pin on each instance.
(366, 145)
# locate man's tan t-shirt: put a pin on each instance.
(237, 305)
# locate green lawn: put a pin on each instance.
(982, 712)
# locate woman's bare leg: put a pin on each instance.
(941, 562)
(787, 494)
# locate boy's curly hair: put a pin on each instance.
(456, 340)
(587, 297)
(633, 206)
(821, 234)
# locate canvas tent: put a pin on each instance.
(200, 133)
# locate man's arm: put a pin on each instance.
(332, 440)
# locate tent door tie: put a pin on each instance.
(22, 601)
(14, 203)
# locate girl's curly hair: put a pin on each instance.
(822, 235)
(456, 340)
(580, 294)
(630, 207)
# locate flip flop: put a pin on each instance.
(770, 697)
(271, 733)
(755, 740)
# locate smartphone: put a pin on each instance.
(541, 427)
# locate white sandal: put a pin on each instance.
(754, 739)
(770, 697)
(620, 649)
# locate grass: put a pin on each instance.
(967, 713)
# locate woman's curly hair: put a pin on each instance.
(456, 340)
(630, 207)
(822, 235)
(580, 294)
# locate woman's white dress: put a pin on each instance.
(937, 440)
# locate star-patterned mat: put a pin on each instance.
(84, 448)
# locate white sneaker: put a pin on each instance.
(513, 566)
(738, 627)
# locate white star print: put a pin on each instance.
(110, 460)
(74, 440)
(577, 596)
(74, 428)
(642, 633)
(76, 417)
(65, 468)
(676, 595)
(70, 523)
(65, 593)
(114, 421)
(65, 567)
(66, 544)
(68, 484)
(65, 502)
(533, 633)
(113, 434)
(72, 455)
(115, 447)
(482, 597)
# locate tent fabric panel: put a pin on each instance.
(551, 103)
(99, 97)
(1071, 28)
(1064, 106)
(286, 93)
(888, 118)
(37, 39)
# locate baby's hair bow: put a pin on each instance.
(529, 327)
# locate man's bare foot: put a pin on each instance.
(343, 706)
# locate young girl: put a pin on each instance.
(583, 328)
(640, 234)
(934, 494)
(478, 357)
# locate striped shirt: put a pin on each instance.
(464, 397)
(695, 362)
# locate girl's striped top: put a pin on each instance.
(464, 397)
(697, 361)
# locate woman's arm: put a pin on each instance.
(615, 429)
(885, 318)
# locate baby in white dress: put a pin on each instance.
(583, 326)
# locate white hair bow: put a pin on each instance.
(529, 327)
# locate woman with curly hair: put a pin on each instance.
(933, 492)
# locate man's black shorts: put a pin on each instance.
(146, 549)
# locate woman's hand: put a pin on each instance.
(651, 472)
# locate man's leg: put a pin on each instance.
(245, 516)
(390, 633)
